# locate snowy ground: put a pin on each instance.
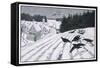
(51, 47)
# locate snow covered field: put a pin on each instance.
(51, 47)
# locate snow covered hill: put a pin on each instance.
(51, 47)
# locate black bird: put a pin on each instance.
(89, 40)
(76, 38)
(72, 31)
(76, 46)
(64, 39)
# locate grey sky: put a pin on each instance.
(51, 12)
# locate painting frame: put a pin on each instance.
(15, 32)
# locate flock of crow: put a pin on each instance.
(77, 39)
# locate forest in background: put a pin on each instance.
(78, 21)
(87, 19)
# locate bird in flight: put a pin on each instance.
(76, 38)
(64, 39)
(76, 46)
(89, 40)
(72, 31)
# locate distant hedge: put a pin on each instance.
(26, 17)
(37, 18)
(78, 21)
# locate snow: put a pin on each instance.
(51, 47)
(65, 51)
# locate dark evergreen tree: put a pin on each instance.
(78, 21)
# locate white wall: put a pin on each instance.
(5, 33)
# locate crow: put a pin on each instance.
(89, 40)
(64, 39)
(76, 38)
(76, 46)
(72, 31)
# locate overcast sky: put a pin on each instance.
(51, 12)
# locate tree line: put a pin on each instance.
(87, 19)
(28, 17)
